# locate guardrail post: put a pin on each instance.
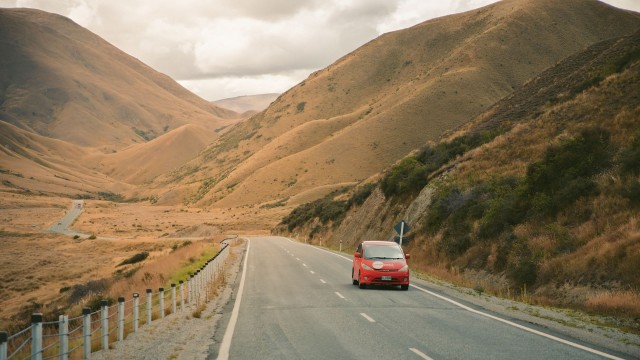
(104, 304)
(149, 298)
(86, 333)
(181, 295)
(161, 290)
(4, 337)
(196, 287)
(36, 336)
(190, 288)
(173, 298)
(120, 318)
(63, 331)
(136, 314)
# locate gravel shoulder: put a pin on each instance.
(180, 335)
(576, 326)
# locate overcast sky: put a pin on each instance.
(226, 48)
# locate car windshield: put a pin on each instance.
(382, 252)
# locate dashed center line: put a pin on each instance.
(322, 281)
(298, 259)
(303, 264)
(367, 317)
(311, 271)
(340, 295)
(420, 353)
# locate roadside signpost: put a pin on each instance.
(402, 228)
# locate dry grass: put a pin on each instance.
(614, 302)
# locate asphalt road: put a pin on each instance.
(296, 301)
(62, 226)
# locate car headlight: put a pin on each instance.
(404, 268)
(366, 267)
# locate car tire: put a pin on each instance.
(353, 281)
(404, 287)
(360, 284)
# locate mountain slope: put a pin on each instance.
(243, 104)
(59, 80)
(370, 108)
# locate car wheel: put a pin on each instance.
(360, 284)
(404, 287)
(353, 281)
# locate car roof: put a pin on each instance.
(379, 242)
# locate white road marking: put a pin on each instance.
(311, 271)
(303, 264)
(548, 336)
(225, 346)
(533, 331)
(367, 317)
(298, 259)
(339, 295)
(420, 353)
(322, 281)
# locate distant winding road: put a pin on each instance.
(296, 301)
(62, 226)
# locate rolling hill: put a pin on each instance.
(60, 80)
(349, 121)
(79, 116)
(535, 198)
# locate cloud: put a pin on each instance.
(227, 48)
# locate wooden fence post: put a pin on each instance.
(36, 336)
(173, 298)
(4, 337)
(104, 304)
(181, 295)
(149, 298)
(86, 333)
(161, 290)
(120, 318)
(63, 331)
(136, 313)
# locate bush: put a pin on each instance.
(630, 159)
(135, 258)
(361, 195)
(409, 176)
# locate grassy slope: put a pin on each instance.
(370, 108)
(487, 214)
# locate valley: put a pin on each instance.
(507, 136)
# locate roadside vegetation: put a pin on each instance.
(540, 206)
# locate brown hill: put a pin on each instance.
(247, 103)
(373, 106)
(59, 80)
(537, 197)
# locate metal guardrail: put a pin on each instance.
(54, 339)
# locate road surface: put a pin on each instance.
(62, 226)
(296, 301)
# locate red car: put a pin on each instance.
(380, 263)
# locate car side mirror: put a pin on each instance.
(357, 255)
(407, 256)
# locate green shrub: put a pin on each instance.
(409, 176)
(300, 106)
(135, 258)
(630, 158)
(361, 195)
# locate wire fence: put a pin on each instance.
(78, 337)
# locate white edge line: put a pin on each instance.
(420, 353)
(533, 331)
(540, 333)
(367, 317)
(339, 295)
(225, 346)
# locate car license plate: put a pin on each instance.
(386, 278)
